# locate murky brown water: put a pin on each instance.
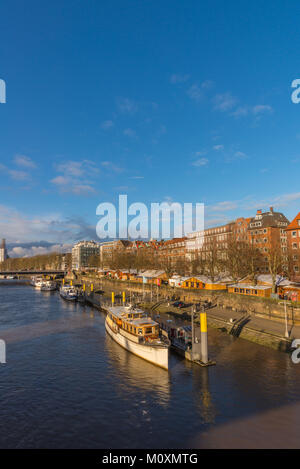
(66, 384)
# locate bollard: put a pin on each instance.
(112, 298)
(92, 287)
(123, 295)
(63, 282)
(203, 324)
(71, 283)
(83, 287)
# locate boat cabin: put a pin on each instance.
(135, 322)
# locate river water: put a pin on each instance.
(67, 384)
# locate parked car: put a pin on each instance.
(178, 304)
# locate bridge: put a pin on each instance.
(32, 272)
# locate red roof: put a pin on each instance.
(294, 224)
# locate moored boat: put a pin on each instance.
(139, 334)
(38, 283)
(49, 285)
(68, 292)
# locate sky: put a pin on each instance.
(163, 101)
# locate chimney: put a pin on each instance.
(259, 212)
(271, 209)
(3, 243)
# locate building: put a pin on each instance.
(202, 242)
(174, 250)
(250, 290)
(293, 248)
(3, 251)
(267, 233)
(81, 253)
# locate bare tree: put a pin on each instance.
(275, 263)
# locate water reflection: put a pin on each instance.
(138, 373)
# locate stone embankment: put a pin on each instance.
(258, 320)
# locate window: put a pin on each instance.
(295, 246)
(294, 234)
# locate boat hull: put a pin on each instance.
(68, 298)
(154, 354)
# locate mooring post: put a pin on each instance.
(112, 298)
(123, 296)
(203, 325)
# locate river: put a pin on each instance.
(67, 384)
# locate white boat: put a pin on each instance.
(49, 285)
(139, 334)
(68, 292)
(37, 282)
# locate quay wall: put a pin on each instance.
(260, 307)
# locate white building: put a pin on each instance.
(81, 253)
(3, 251)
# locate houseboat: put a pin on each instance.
(49, 285)
(37, 282)
(138, 333)
(67, 292)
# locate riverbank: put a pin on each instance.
(265, 329)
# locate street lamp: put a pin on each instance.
(287, 335)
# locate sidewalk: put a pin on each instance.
(257, 323)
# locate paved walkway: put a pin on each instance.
(257, 323)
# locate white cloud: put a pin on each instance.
(127, 105)
(240, 155)
(20, 251)
(240, 112)
(195, 93)
(18, 175)
(224, 102)
(262, 109)
(223, 206)
(25, 161)
(130, 133)
(107, 125)
(110, 166)
(76, 177)
(207, 84)
(218, 147)
(20, 228)
(200, 162)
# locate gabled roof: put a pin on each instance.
(294, 224)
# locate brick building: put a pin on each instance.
(293, 247)
(267, 232)
(173, 249)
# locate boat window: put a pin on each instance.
(148, 330)
(140, 331)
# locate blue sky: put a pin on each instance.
(177, 101)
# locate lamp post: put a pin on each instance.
(287, 335)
